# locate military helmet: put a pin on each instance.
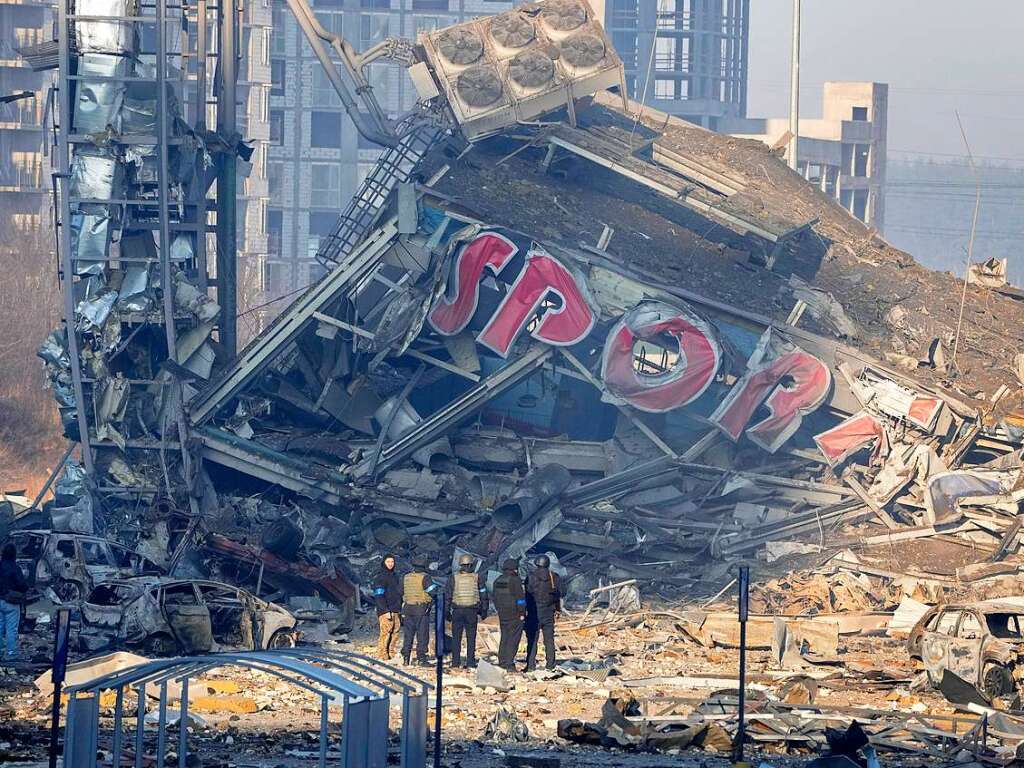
(466, 559)
(542, 562)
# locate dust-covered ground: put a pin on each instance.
(276, 724)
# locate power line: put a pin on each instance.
(954, 232)
(890, 150)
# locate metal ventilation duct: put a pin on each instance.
(564, 15)
(532, 68)
(512, 30)
(521, 64)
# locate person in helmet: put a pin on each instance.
(466, 598)
(417, 599)
(543, 604)
(387, 596)
(509, 597)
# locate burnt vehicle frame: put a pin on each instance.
(978, 642)
(73, 563)
(135, 613)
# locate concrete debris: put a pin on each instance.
(490, 676)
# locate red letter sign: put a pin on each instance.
(455, 309)
(773, 361)
(684, 381)
(858, 431)
(542, 277)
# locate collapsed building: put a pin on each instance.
(552, 319)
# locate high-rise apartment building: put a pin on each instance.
(316, 156)
(687, 58)
(24, 171)
(254, 125)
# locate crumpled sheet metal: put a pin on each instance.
(94, 177)
(403, 422)
(944, 489)
(90, 242)
(139, 111)
(72, 480)
(54, 349)
(133, 293)
(98, 102)
(63, 392)
(92, 313)
(112, 404)
(77, 518)
(181, 248)
(191, 299)
(115, 37)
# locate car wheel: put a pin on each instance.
(283, 638)
(68, 591)
(996, 681)
(160, 645)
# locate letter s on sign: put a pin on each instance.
(684, 381)
(773, 362)
(455, 309)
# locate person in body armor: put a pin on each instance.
(509, 598)
(543, 603)
(466, 597)
(387, 598)
(417, 599)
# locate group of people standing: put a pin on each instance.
(530, 606)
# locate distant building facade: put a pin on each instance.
(316, 156)
(844, 152)
(687, 58)
(24, 171)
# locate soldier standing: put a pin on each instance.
(467, 599)
(543, 603)
(510, 604)
(417, 594)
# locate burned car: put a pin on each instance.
(72, 563)
(165, 616)
(978, 642)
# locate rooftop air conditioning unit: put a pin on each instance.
(518, 65)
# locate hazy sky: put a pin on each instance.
(937, 56)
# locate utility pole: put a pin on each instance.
(794, 89)
(227, 233)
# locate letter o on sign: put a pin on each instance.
(686, 378)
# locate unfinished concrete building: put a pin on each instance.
(686, 58)
(844, 151)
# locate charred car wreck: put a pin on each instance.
(981, 643)
(165, 616)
